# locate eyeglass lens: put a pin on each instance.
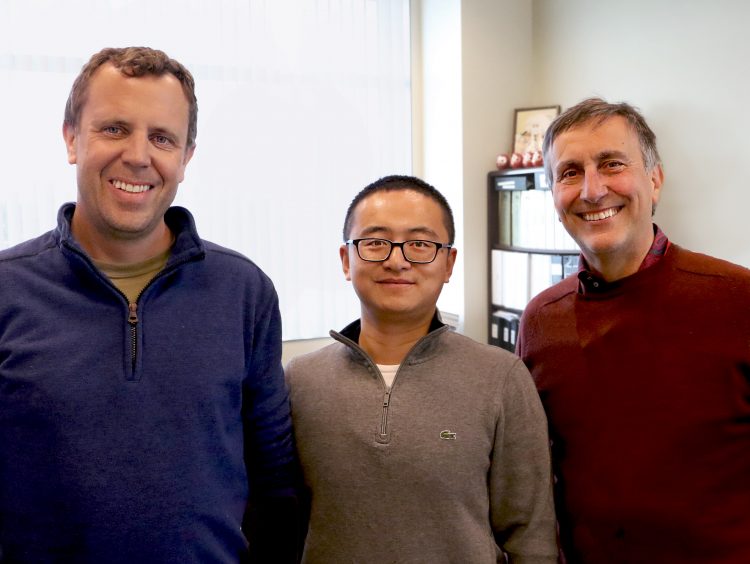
(414, 251)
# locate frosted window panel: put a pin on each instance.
(301, 104)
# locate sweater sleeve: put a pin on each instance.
(521, 502)
(269, 454)
(272, 522)
(527, 331)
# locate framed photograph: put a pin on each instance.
(529, 127)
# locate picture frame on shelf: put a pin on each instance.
(529, 127)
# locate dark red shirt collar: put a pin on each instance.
(592, 282)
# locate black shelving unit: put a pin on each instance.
(528, 250)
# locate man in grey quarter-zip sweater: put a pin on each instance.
(417, 444)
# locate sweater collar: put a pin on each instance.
(424, 348)
(591, 283)
(188, 245)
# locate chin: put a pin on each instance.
(600, 246)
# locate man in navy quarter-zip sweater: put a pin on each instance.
(143, 412)
(417, 444)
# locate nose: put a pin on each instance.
(136, 151)
(397, 260)
(593, 188)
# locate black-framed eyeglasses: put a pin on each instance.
(417, 251)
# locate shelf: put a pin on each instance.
(519, 179)
(498, 307)
(516, 171)
(525, 219)
(528, 249)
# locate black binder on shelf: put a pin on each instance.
(504, 329)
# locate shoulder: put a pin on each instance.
(705, 265)
(38, 258)
(545, 315)
(234, 264)
(454, 348)
(189, 244)
(228, 256)
(313, 363)
(492, 372)
(31, 272)
(28, 249)
(553, 294)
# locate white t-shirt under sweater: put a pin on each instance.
(389, 372)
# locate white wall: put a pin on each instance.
(497, 52)
(436, 132)
(684, 64)
(437, 139)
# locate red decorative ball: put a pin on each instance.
(516, 160)
(502, 161)
(537, 159)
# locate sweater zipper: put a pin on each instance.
(133, 313)
(132, 306)
(387, 394)
(133, 321)
(384, 420)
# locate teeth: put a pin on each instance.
(600, 215)
(133, 188)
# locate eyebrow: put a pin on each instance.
(601, 156)
(97, 123)
(379, 229)
(612, 154)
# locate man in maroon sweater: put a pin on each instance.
(642, 362)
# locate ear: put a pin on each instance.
(188, 155)
(69, 135)
(185, 160)
(449, 264)
(344, 255)
(657, 179)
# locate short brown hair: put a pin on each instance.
(600, 110)
(133, 61)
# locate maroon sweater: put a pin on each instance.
(647, 391)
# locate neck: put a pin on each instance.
(115, 249)
(389, 341)
(618, 265)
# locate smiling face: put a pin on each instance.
(130, 152)
(396, 290)
(604, 195)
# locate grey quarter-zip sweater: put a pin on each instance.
(449, 465)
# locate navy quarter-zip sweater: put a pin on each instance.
(137, 432)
